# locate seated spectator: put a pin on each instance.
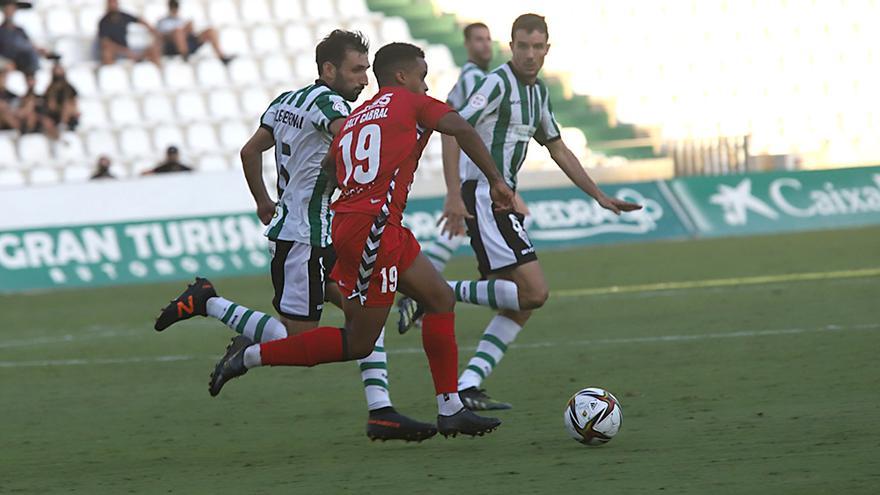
(9, 102)
(102, 169)
(33, 117)
(171, 163)
(178, 37)
(113, 37)
(15, 44)
(61, 100)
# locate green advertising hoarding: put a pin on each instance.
(780, 201)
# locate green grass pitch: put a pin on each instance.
(755, 388)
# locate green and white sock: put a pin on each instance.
(374, 373)
(254, 325)
(443, 247)
(499, 334)
(497, 294)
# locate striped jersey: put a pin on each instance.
(471, 74)
(300, 121)
(507, 114)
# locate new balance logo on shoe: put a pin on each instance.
(187, 307)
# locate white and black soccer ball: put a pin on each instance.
(593, 416)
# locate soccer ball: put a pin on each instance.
(593, 416)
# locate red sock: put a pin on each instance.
(438, 339)
(316, 346)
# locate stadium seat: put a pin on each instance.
(153, 11)
(190, 107)
(201, 138)
(134, 142)
(101, 142)
(11, 178)
(60, 22)
(298, 37)
(304, 66)
(70, 148)
(194, 11)
(158, 109)
(124, 111)
(394, 28)
(33, 149)
(16, 83)
(73, 50)
(211, 73)
(8, 155)
(223, 104)
(82, 78)
(76, 173)
(255, 12)
(254, 101)
(233, 135)
(319, 9)
(165, 136)
(89, 16)
(287, 10)
(223, 13)
(265, 39)
(113, 80)
(352, 9)
(276, 68)
(92, 114)
(30, 21)
(140, 165)
(146, 77)
(43, 176)
(212, 163)
(178, 75)
(245, 72)
(234, 40)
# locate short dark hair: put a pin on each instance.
(173, 4)
(391, 58)
(332, 48)
(470, 28)
(529, 23)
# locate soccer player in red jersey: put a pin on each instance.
(374, 159)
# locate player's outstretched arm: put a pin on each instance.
(252, 163)
(467, 138)
(572, 167)
(328, 165)
(454, 209)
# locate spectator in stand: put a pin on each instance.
(113, 37)
(61, 100)
(102, 169)
(15, 44)
(171, 163)
(178, 37)
(9, 102)
(33, 116)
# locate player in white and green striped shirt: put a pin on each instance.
(509, 108)
(300, 125)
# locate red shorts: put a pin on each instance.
(398, 248)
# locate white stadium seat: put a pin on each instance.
(89, 16)
(394, 28)
(287, 10)
(70, 148)
(92, 114)
(76, 173)
(60, 22)
(223, 104)
(146, 77)
(244, 72)
(33, 149)
(44, 176)
(234, 40)
(212, 163)
(179, 75)
(319, 9)
(222, 13)
(11, 178)
(298, 36)
(276, 68)
(305, 67)
(135, 142)
(256, 11)
(254, 101)
(190, 106)
(8, 155)
(153, 11)
(139, 165)
(113, 80)
(265, 39)
(352, 9)
(30, 21)
(233, 135)
(101, 142)
(165, 136)
(211, 73)
(201, 138)
(158, 109)
(16, 82)
(74, 50)
(124, 110)
(83, 79)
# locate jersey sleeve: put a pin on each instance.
(329, 107)
(463, 88)
(483, 100)
(429, 111)
(548, 128)
(267, 120)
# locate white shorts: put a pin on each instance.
(499, 239)
(299, 272)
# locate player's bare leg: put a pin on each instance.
(422, 282)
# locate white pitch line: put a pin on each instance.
(534, 345)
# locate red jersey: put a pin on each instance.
(384, 136)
